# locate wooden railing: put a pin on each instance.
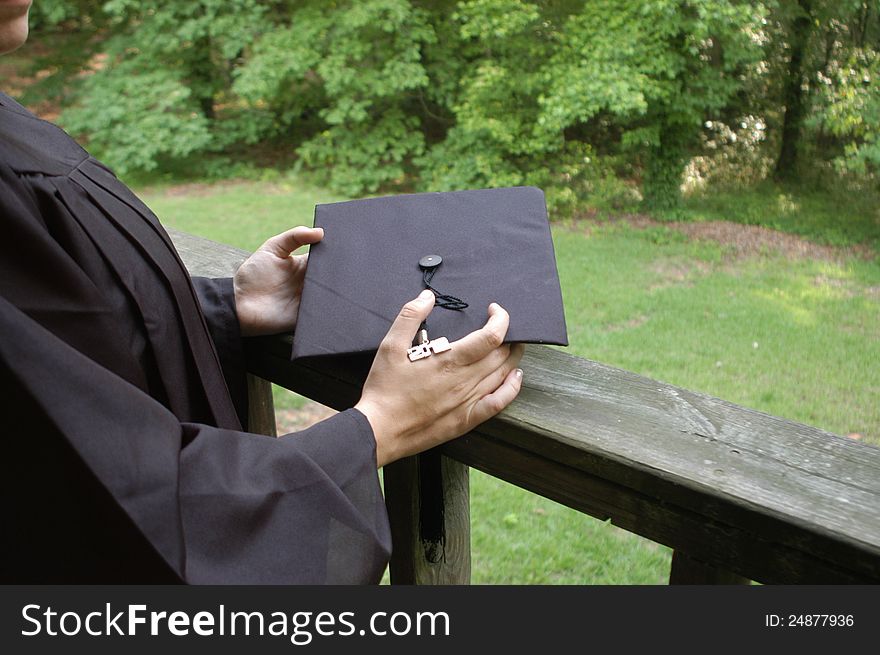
(739, 495)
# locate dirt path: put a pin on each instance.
(744, 240)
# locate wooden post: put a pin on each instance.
(261, 407)
(412, 560)
(687, 570)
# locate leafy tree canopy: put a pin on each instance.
(445, 94)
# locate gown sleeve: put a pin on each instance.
(220, 506)
(217, 300)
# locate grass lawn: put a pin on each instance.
(798, 338)
(835, 215)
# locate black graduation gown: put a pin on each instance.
(124, 458)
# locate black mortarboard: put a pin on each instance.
(376, 255)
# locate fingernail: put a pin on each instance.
(425, 295)
(519, 373)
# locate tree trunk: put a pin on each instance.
(661, 187)
(202, 76)
(793, 98)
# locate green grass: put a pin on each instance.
(799, 339)
(837, 215)
(520, 538)
(241, 213)
(795, 338)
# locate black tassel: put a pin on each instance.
(432, 524)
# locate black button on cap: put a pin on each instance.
(430, 261)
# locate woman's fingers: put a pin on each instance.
(479, 343)
(281, 245)
(468, 385)
(490, 404)
(496, 376)
(402, 332)
(491, 362)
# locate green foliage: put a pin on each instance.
(366, 56)
(816, 55)
(733, 156)
(665, 165)
(539, 72)
(153, 92)
(277, 78)
(495, 105)
(66, 36)
(49, 13)
(364, 157)
(852, 110)
(568, 95)
(135, 116)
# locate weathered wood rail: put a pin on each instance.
(739, 495)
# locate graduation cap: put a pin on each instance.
(471, 248)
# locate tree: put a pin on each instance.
(793, 95)
(167, 64)
(815, 49)
(540, 71)
(358, 67)
(444, 94)
(850, 109)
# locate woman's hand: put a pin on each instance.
(413, 406)
(268, 285)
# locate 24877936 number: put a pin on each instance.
(808, 620)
